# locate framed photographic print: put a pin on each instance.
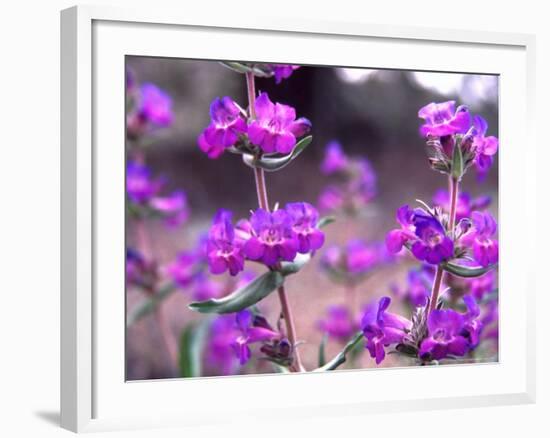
(253, 207)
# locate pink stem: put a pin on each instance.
(263, 202)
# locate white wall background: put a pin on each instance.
(29, 219)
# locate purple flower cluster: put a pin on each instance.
(231, 338)
(355, 260)
(275, 128)
(481, 239)
(356, 181)
(144, 191)
(339, 323)
(465, 205)
(268, 237)
(423, 233)
(451, 333)
(417, 289)
(452, 128)
(152, 110)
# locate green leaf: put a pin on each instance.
(294, 266)
(242, 298)
(272, 164)
(149, 305)
(322, 351)
(192, 341)
(466, 271)
(236, 66)
(340, 358)
(458, 163)
(325, 220)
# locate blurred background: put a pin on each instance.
(371, 113)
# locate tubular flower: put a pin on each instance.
(485, 147)
(276, 128)
(441, 119)
(382, 328)
(227, 123)
(224, 251)
(305, 217)
(252, 330)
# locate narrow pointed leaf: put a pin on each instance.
(458, 163)
(325, 220)
(192, 342)
(340, 358)
(466, 271)
(272, 164)
(149, 305)
(236, 66)
(242, 298)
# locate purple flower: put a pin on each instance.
(275, 128)
(174, 207)
(226, 125)
(441, 119)
(222, 335)
(433, 245)
(361, 257)
(396, 239)
(183, 270)
(472, 325)
(155, 106)
(417, 291)
(424, 233)
(272, 238)
(335, 160)
(480, 286)
(382, 328)
(445, 328)
(484, 248)
(331, 198)
(305, 218)
(205, 288)
(283, 71)
(465, 204)
(485, 147)
(364, 183)
(140, 187)
(251, 332)
(224, 251)
(338, 324)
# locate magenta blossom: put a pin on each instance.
(140, 186)
(331, 198)
(335, 159)
(205, 288)
(483, 285)
(183, 270)
(155, 106)
(173, 207)
(224, 251)
(485, 147)
(418, 287)
(472, 323)
(227, 123)
(484, 247)
(272, 237)
(445, 328)
(275, 128)
(305, 217)
(219, 351)
(252, 330)
(362, 257)
(338, 324)
(283, 71)
(423, 233)
(441, 119)
(382, 328)
(465, 204)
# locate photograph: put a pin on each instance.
(286, 218)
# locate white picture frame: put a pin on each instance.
(94, 397)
